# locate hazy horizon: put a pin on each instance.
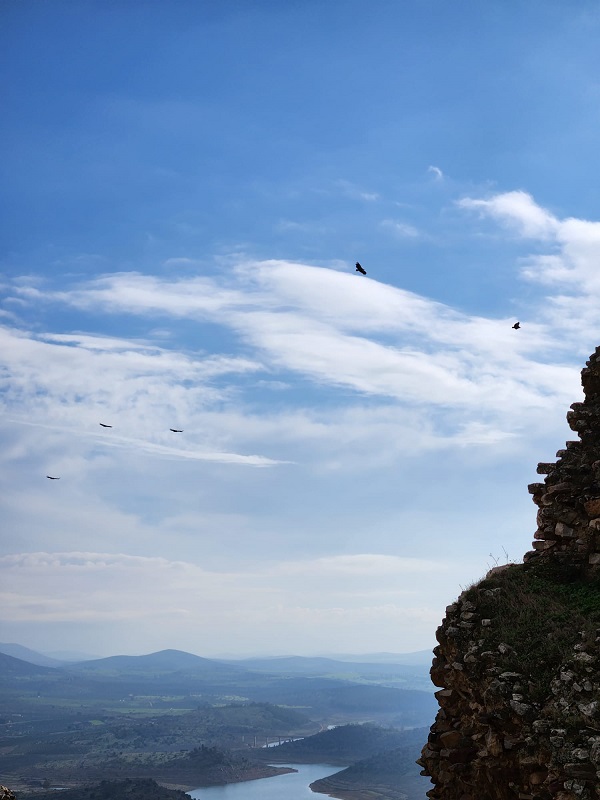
(65, 655)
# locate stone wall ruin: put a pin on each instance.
(518, 659)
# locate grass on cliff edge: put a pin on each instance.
(540, 612)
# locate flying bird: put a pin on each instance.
(52, 478)
(102, 425)
(517, 325)
(360, 269)
(175, 430)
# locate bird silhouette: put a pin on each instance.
(360, 269)
(517, 325)
(175, 430)
(52, 478)
(102, 425)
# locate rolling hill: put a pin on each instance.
(163, 661)
(25, 654)
(392, 774)
(342, 745)
(15, 668)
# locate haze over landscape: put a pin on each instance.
(187, 189)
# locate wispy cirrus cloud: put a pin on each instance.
(403, 230)
(327, 327)
(352, 190)
(52, 380)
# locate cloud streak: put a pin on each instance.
(75, 380)
(323, 326)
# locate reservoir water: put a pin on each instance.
(292, 786)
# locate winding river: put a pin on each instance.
(291, 786)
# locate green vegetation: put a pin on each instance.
(539, 611)
(400, 676)
(142, 789)
(191, 749)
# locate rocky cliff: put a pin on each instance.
(518, 659)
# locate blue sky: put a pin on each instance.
(185, 189)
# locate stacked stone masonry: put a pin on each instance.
(568, 500)
(491, 739)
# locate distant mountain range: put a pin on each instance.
(391, 693)
(165, 661)
(71, 655)
(416, 657)
(161, 661)
(32, 656)
(422, 657)
(59, 658)
(304, 665)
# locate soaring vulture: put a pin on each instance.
(360, 269)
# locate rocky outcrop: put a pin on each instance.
(518, 659)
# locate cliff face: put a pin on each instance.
(518, 660)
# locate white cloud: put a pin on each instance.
(517, 210)
(363, 565)
(437, 173)
(321, 324)
(352, 190)
(305, 227)
(570, 269)
(182, 263)
(403, 230)
(78, 380)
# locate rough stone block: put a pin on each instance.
(536, 488)
(450, 739)
(538, 777)
(592, 507)
(543, 545)
(560, 529)
(544, 467)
